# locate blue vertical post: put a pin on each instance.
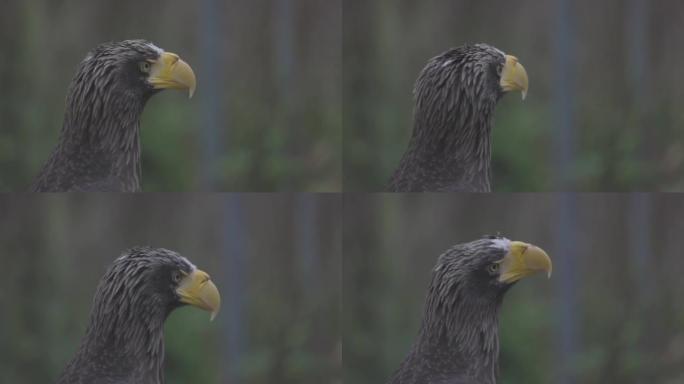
(564, 95)
(639, 241)
(565, 271)
(210, 91)
(284, 46)
(636, 32)
(636, 36)
(286, 91)
(566, 226)
(234, 256)
(307, 247)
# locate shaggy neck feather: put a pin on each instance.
(450, 147)
(462, 327)
(127, 326)
(105, 126)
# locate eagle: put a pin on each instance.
(124, 340)
(98, 149)
(455, 97)
(458, 341)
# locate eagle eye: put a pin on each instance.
(497, 68)
(493, 268)
(176, 276)
(145, 66)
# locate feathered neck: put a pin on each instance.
(459, 328)
(125, 335)
(451, 145)
(101, 129)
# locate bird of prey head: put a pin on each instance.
(455, 97)
(99, 145)
(459, 339)
(124, 342)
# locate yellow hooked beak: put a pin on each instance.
(514, 76)
(196, 289)
(170, 72)
(523, 260)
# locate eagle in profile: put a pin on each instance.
(99, 145)
(458, 341)
(455, 97)
(124, 341)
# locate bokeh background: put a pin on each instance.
(603, 111)
(266, 115)
(276, 260)
(611, 313)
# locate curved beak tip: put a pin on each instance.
(198, 290)
(171, 72)
(523, 260)
(185, 77)
(514, 76)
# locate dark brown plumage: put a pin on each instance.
(455, 97)
(124, 342)
(458, 342)
(99, 145)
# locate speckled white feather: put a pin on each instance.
(157, 49)
(189, 263)
(502, 243)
